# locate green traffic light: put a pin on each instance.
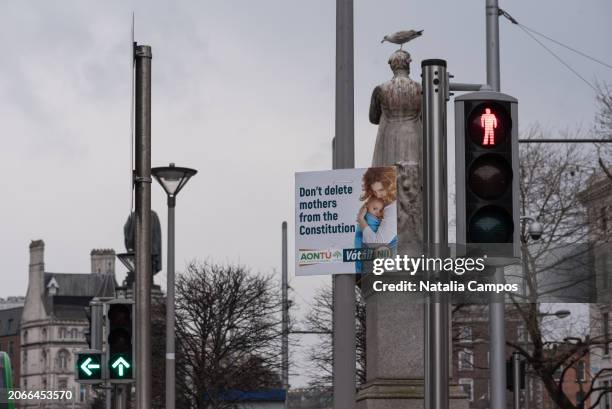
(120, 366)
(89, 366)
(490, 224)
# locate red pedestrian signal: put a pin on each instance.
(489, 124)
(487, 173)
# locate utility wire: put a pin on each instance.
(567, 46)
(560, 60)
(527, 31)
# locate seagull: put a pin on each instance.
(402, 37)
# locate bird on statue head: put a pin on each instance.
(402, 37)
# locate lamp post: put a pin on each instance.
(172, 179)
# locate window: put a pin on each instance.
(9, 325)
(25, 337)
(466, 360)
(10, 348)
(62, 333)
(44, 334)
(62, 359)
(25, 358)
(74, 333)
(82, 393)
(468, 387)
(465, 334)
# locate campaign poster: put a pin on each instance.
(344, 218)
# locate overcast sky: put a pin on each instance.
(242, 91)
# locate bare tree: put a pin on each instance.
(228, 334)
(552, 178)
(319, 319)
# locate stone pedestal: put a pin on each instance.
(395, 320)
(395, 352)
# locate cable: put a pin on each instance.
(567, 46)
(514, 21)
(559, 59)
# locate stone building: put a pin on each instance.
(54, 322)
(470, 360)
(597, 198)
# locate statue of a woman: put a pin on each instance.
(396, 108)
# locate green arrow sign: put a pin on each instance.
(120, 364)
(88, 366)
(120, 367)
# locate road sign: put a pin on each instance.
(89, 366)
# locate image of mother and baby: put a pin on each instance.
(377, 218)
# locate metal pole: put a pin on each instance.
(142, 182)
(492, 16)
(516, 375)
(97, 319)
(496, 308)
(120, 397)
(285, 315)
(497, 334)
(344, 356)
(435, 229)
(170, 348)
(107, 395)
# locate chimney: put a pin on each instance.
(103, 261)
(36, 276)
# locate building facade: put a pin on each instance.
(54, 323)
(597, 198)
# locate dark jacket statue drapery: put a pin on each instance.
(156, 239)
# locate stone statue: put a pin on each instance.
(129, 238)
(396, 107)
(394, 338)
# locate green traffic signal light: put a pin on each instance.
(490, 224)
(120, 366)
(89, 366)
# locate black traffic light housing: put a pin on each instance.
(487, 174)
(120, 340)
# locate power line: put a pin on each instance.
(567, 46)
(559, 59)
(529, 31)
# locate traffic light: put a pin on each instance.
(120, 330)
(486, 160)
(88, 366)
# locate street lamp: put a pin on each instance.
(172, 179)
